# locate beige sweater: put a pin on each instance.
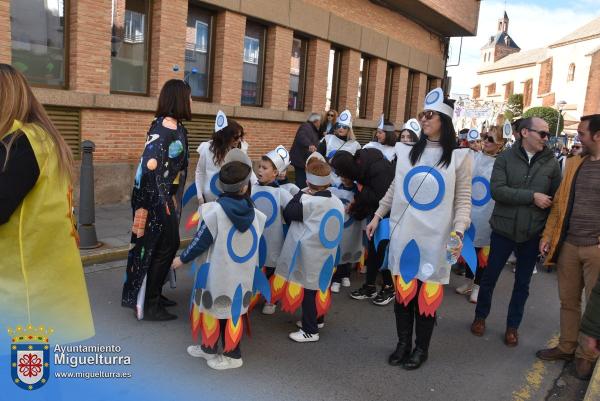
(462, 195)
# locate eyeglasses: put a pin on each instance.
(576, 147)
(490, 139)
(330, 115)
(427, 114)
(542, 134)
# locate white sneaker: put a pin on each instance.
(335, 287)
(345, 282)
(269, 309)
(465, 288)
(514, 269)
(474, 294)
(223, 362)
(512, 258)
(535, 270)
(319, 325)
(301, 337)
(196, 352)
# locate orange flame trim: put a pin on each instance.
(430, 298)
(292, 297)
(195, 320)
(192, 221)
(233, 334)
(254, 301)
(405, 292)
(210, 330)
(277, 283)
(323, 302)
(482, 257)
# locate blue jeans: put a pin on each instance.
(500, 250)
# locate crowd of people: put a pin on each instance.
(407, 206)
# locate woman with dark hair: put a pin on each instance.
(431, 198)
(156, 204)
(384, 139)
(411, 131)
(328, 123)
(211, 156)
(40, 269)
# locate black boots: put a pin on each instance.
(155, 311)
(401, 354)
(416, 359)
(404, 329)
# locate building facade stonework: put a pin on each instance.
(101, 83)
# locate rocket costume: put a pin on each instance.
(228, 274)
(160, 176)
(424, 201)
(332, 143)
(387, 150)
(307, 259)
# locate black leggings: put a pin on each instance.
(408, 317)
(236, 353)
(374, 262)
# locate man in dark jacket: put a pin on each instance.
(524, 179)
(305, 143)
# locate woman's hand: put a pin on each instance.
(177, 263)
(372, 226)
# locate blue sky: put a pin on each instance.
(533, 23)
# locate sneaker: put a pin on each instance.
(301, 337)
(474, 294)
(223, 362)
(512, 259)
(384, 297)
(465, 288)
(364, 292)
(319, 325)
(535, 270)
(196, 352)
(269, 309)
(335, 287)
(345, 282)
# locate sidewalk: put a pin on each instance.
(113, 229)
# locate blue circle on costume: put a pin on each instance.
(432, 97)
(415, 126)
(282, 153)
(343, 117)
(473, 134)
(488, 192)
(220, 120)
(507, 130)
(268, 196)
(213, 185)
(333, 213)
(441, 187)
(241, 259)
(350, 220)
(331, 154)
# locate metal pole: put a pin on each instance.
(87, 229)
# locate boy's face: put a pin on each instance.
(282, 175)
(266, 172)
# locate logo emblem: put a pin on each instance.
(30, 356)
(415, 126)
(473, 134)
(432, 97)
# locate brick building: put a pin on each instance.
(98, 65)
(567, 70)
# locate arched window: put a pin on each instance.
(571, 76)
(485, 57)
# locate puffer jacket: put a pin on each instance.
(514, 181)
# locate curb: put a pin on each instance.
(112, 254)
(593, 390)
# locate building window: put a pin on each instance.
(508, 89)
(387, 94)
(333, 79)
(363, 88)
(297, 74)
(198, 46)
(527, 92)
(571, 76)
(38, 33)
(252, 79)
(476, 92)
(130, 43)
(491, 89)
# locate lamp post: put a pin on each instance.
(559, 107)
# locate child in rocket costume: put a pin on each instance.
(307, 259)
(283, 180)
(351, 247)
(430, 197)
(477, 243)
(384, 139)
(474, 139)
(229, 275)
(271, 199)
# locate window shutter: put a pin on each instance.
(68, 122)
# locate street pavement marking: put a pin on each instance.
(534, 376)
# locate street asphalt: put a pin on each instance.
(350, 360)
